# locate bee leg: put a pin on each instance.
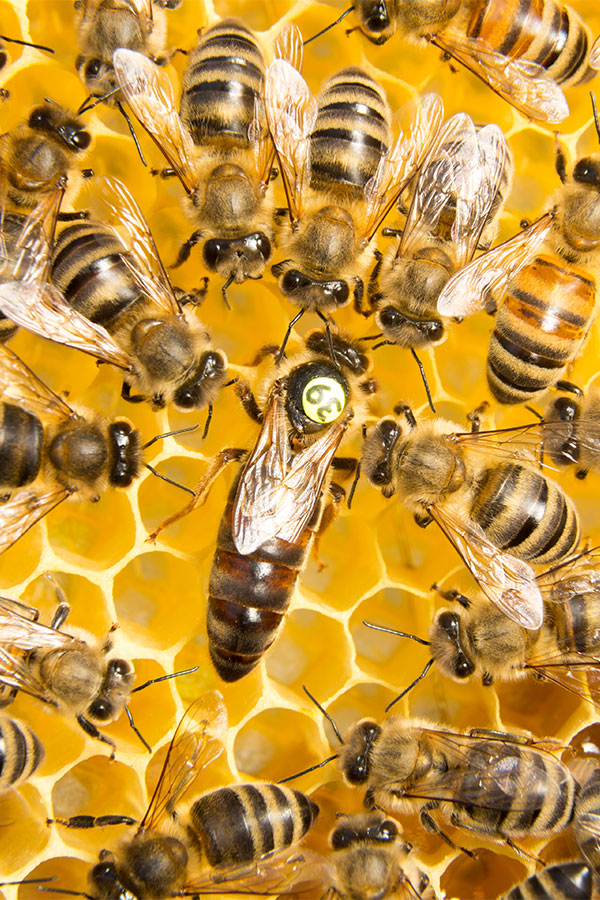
(164, 173)
(93, 732)
(186, 248)
(266, 350)
(21, 608)
(569, 387)
(581, 474)
(73, 216)
(560, 160)
(61, 614)
(359, 292)
(452, 596)
(474, 417)
(530, 857)
(92, 821)
(193, 298)
(423, 519)
(246, 397)
(202, 489)
(429, 824)
(128, 396)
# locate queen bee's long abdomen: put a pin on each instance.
(541, 323)
(249, 595)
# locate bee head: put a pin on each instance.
(310, 293)
(374, 20)
(560, 433)
(97, 75)
(52, 119)
(201, 385)
(125, 453)
(379, 452)
(447, 646)
(114, 691)
(355, 757)
(236, 260)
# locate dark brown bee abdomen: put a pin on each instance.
(351, 133)
(576, 620)
(546, 32)
(21, 752)
(223, 81)
(89, 270)
(541, 323)
(565, 881)
(249, 595)
(21, 439)
(525, 514)
(241, 824)
(588, 804)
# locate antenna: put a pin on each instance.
(142, 687)
(412, 637)
(329, 27)
(428, 665)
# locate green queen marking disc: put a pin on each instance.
(323, 399)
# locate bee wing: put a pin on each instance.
(289, 45)
(478, 776)
(147, 269)
(589, 821)
(143, 9)
(291, 111)
(581, 567)
(17, 630)
(524, 84)
(278, 490)
(467, 290)
(41, 309)
(283, 874)
(420, 119)
(149, 93)
(19, 384)
(568, 670)
(23, 510)
(521, 442)
(14, 673)
(30, 258)
(194, 746)
(508, 582)
(594, 59)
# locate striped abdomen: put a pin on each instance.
(541, 323)
(21, 752)
(576, 622)
(88, 269)
(223, 81)
(249, 595)
(516, 773)
(241, 824)
(547, 32)
(351, 133)
(587, 839)
(21, 440)
(564, 881)
(525, 514)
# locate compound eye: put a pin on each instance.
(449, 623)
(338, 291)
(101, 710)
(186, 399)
(388, 831)
(93, 68)
(379, 19)
(121, 476)
(104, 874)
(119, 669)
(435, 330)
(358, 771)
(212, 250)
(380, 475)
(342, 837)
(293, 280)
(323, 399)
(390, 317)
(586, 172)
(80, 140)
(39, 118)
(566, 409)
(463, 667)
(261, 243)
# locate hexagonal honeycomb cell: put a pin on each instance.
(373, 563)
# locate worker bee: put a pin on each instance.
(454, 208)
(218, 145)
(562, 881)
(110, 296)
(21, 752)
(233, 838)
(526, 55)
(545, 278)
(278, 501)
(506, 786)
(571, 432)
(586, 825)
(341, 176)
(483, 491)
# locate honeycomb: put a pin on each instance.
(157, 593)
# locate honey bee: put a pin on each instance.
(526, 55)
(562, 881)
(576, 437)
(545, 278)
(277, 504)
(341, 176)
(586, 825)
(505, 786)
(455, 205)
(486, 496)
(218, 145)
(111, 297)
(21, 752)
(237, 836)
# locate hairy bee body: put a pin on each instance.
(578, 440)
(21, 752)
(563, 881)
(585, 822)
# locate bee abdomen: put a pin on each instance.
(89, 270)
(565, 881)
(21, 752)
(351, 133)
(575, 620)
(549, 33)
(525, 513)
(222, 84)
(241, 824)
(21, 440)
(541, 323)
(588, 804)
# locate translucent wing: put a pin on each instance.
(568, 669)
(23, 510)
(594, 59)
(134, 233)
(284, 874)
(486, 773)
(508, 582)
(524, 84)
(420, 120)
(289, 45)
(15, 673)
(20, 385)
(279, 490)
(28, 259)
(41, 309)
(148, 91)
(291, 111)
(194, 746)
(18, 631)
(466, 292)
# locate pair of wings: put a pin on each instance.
(278, 489)
(21, 634)
(30, 301)
(463, 173)
(292, 110)
(19, 385)
(149, 93)
(495, 772)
